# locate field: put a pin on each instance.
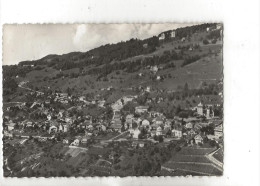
(219, 155)
(206, 169)
(195, 151)
(192, 161)
(190, 158)
(207, 69)
(75, 151)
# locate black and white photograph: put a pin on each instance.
(130, 93)
(84, 100)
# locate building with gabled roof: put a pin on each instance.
(198, 139)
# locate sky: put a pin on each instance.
(34, 41)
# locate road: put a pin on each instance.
(117, 136)
(214, 160)
(20, 86)
(7, 167)
(173, 170)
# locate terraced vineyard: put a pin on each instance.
(192, 161)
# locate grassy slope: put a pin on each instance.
(207, 69)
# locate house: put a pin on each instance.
(101, 103)
(158, 77)
(29, 124)
(75, 142)
(101, 127)
(53, 129)
(129, 119)
(90, 127)
(198, 139)
(168, 123)
(145, 123)
(63, 127)
(154, 126)
(84, 139)
(116, 116)
(128, 98)
(116, 125)
(158, 120)
(162, 36)
(65, 141)
(148, 89)
(135, 133)
(191, 132)
(10, 126)
(155, 114)
(154, 69)
(200, 109)
(141, 144)
(159, 131)
(63, 95)
(8, 134)
(198, 126)
(218, 26)
(85, 124)
(82, 98)
(173, 34)
(189, 125)
(177, 132)
(118, 105)
(141, 109)
(61, 113)
(209, 113)
(137, 122)
(145, 45)
(68, 120)
(49, 117)
(60, 127)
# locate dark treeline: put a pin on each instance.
(98, 56)
(107, 54)
(114, 52)
(134, 66)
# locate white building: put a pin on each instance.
(49, 117)
(75, 142)
(177, 133)
(154, 69)
(141, 109)
(136, 133)
(162, 36)
(159, 131)
(200, 109)
(173, 34)
(10, 126)
(198, 139)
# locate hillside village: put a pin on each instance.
(155, 112)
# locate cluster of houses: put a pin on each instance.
(162, 36)
(218, 27)
(142, 124)
(156, 124)
(148, 124)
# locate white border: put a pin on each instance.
(241, 72)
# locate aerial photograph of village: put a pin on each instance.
(143, 106)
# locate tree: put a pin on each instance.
(160, 139)
(186, 87)
(205, 42)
